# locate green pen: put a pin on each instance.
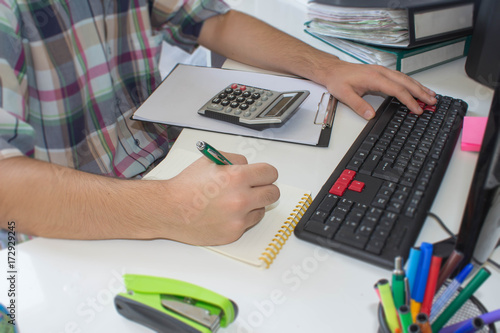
(461, 298)
(405, 317)
(398, 284)
(212, 153)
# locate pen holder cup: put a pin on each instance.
(472, 308)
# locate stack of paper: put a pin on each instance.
(369, 25)
(362, 52)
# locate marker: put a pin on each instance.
(377, 292)
(212, 153)
(472, 325)
(405, 317)
(414, 328)
(462, 297)
(448, 293)
(412, 267)
(430, 289)
(391, 315)
(422, 320)
(418, 291)
(488, 318)
(398, 284)
(407, 292)
(449, 267)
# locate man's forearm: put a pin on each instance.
(243, 38)
(53, 201)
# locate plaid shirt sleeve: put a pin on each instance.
(16, 135)
(180, 21)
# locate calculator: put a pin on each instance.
(253, 107)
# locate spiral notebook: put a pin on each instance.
(259, 245)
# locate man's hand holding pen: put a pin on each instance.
(204, 190)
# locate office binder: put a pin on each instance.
(260, 245)
(408, 61)
(425, 21)
(187, 88)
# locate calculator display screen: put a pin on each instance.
(280, 107)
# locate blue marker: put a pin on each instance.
(450, 291)
(418, 290)
(411, 267)
(424, 264)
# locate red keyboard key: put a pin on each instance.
(357, 186)
(338, 189)
(348, 173)
(431, 108)
(343, 180)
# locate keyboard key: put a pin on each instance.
(347, 236)
(320, 229)
(370, 163)
(375, 246)
(357, 186)
(328, 203)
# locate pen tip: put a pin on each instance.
(200, 145)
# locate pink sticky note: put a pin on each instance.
(473, 132)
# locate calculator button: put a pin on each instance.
(255, 95)
(269, 93)
(243, 88)
(228, 90)
(258, 103)
(234, 104)
(244, 106)
(234, 86)
(216, 107)
(250, 101)
(264, 98)
(253, 108)
(223, 95)
(238, 112)
(228, 110)
(224, 102)
(247, 114)
(231, 97)
(246, 94)
(237, 92)
(216, 100)
(240, 99)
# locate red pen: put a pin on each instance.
(430, 289)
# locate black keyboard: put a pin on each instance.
(375, 202)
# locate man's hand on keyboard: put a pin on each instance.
(348, 82)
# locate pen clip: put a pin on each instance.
(330, 111)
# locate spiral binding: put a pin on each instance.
(285, 231)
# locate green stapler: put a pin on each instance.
(167, 305)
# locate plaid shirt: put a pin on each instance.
(72, 73)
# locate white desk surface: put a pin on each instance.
(68, 286)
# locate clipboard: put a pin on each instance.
(186, 88)
(328, 116)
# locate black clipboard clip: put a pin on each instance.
(330, 111)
